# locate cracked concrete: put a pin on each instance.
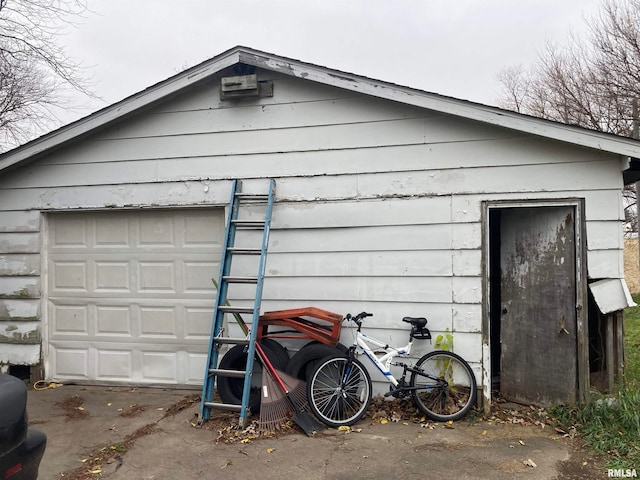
(159, 443)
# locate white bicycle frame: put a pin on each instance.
(383, 363)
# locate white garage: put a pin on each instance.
(130, 294)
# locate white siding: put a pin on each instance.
(378, 204)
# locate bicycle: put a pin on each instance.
(442, 383)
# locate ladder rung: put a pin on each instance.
(237, 341)
(223, 406)
(244, 251)
(252, 196)
(248, 223)
(227, 373)
(229, 309)
(234, 279)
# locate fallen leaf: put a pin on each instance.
(227, 463)
(97, 470)
(530, 463)
(109, 404)
(271, 450)
(484, 432)
(384, 421)
(345, 428)
(80, 408)
(521, 442)
(161, 408)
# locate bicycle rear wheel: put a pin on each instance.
(447, 388)
(339, 395)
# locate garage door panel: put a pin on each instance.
(157, 277)
(70, 363)
(158, 322)
(197, 323)
(159, 366)
(198, 276)
(68, 319)
(134, 304)
(114, 321)
(157, 230)
(194, 366)
(114, 365)
(69, 276)
(70, 233)
(112, 232)
(112, 277)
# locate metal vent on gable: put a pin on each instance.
(245, 86)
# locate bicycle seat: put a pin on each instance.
(418, 322)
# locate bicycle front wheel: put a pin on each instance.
(339, 391)
(446, 387)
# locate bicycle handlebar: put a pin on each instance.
(358, 318)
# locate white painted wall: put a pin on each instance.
(378, 204)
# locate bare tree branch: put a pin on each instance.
(591, 82)
(35, 70)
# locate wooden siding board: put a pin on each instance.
(19, 242)
(362, 289)
(428, 210)
(19, 221)
(603, 235)
(14, 354)
(467, 289)
(467, 263)
(287, 90)
(389, 263)
(467, 318)
(360, 238)
(261, 116)
(522, 178)
(605, 264)
(19, 287)
(19, 264)
(19, 309)
(20, 333)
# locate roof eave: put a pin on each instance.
(462, 108)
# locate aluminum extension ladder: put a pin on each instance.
(241, 222)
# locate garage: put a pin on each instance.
(129, 294)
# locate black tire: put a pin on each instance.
(333, 404)
(230, 388)
(305, 360)
(278, 350)
(451, 394)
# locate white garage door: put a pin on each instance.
(130, 296)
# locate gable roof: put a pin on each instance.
(348, 81)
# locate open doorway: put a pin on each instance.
(536, 289)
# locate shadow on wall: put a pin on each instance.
(631, 266)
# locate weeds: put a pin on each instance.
(610, 424)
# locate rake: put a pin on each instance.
(283, 397)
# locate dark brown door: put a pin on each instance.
(538, 305)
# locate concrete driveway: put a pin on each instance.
(147, 433)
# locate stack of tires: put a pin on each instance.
(301, 365)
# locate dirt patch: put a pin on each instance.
(186, 402)
(134, 411)
(73, 408)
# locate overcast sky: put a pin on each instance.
(450, 47)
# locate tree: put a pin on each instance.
(35, 71)
(592, 82)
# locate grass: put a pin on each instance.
(611, 424)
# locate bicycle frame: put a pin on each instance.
(382, 363)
